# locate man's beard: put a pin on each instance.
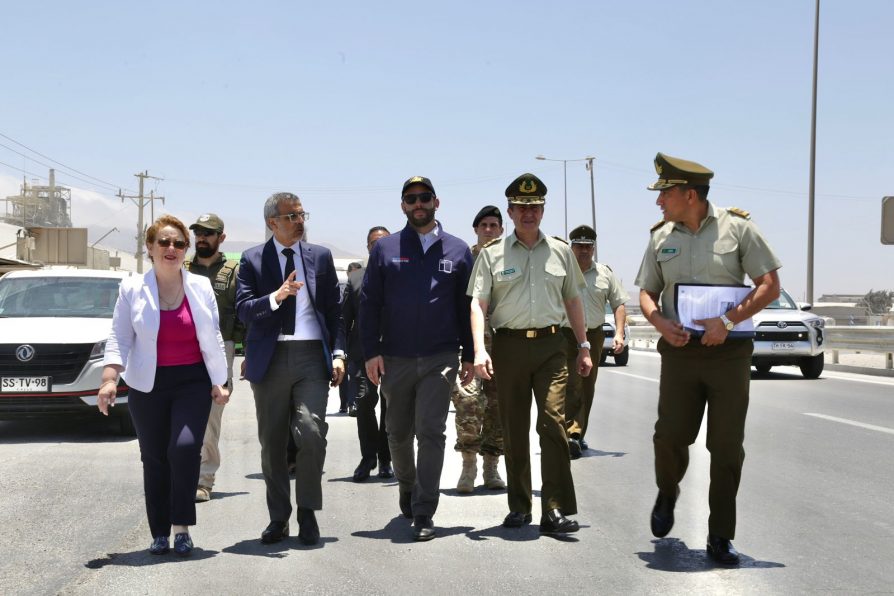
(422, 222)
(206, 251)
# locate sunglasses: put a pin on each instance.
(421, 197)
(167, 242)
(204, 233)
(293, 217)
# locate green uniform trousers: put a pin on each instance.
(692, 377)
(522, 366)
(580, 391)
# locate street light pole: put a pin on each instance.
(590, 167)
(811, 200)
(565, 176)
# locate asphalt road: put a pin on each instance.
(814, 509)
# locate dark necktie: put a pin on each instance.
(288, 305)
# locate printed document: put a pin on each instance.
(702, 301)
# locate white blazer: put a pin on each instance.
(132, 341)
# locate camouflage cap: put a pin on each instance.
(673, 171)
(418, 180)
(582, 235)
(527, 189)
(209, 221)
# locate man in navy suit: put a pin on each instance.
(288, 296)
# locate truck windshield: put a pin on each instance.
(784, 302)
(58, 297)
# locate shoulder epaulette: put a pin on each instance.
(607, 267)
(658, 225)
(562, 240)
(492, 242)
(739, 212)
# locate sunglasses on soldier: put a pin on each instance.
(421, 197)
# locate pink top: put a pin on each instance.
(177, 342)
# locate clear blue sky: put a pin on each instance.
(340, 102)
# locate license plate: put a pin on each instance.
(783, 345)
(24, 384)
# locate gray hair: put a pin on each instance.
(271, 206)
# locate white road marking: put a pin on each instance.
(617, 372)
(881, 429)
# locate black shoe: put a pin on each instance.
(722, 550)
(352, 411)
(385, 470)
(183, 544)
(275, 532)
(308, 530)
(423, 528)
(583, 445)
(342, 410)
(516, 519)
(663, 515)
(406, 506)
(291, 468)
(160, 545)
(363, 469)
(556, 523)
(574, 448)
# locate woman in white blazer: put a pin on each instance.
(166, 343)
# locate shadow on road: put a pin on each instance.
(255, 548)
(142, 558)
(479, 490)
(400, 531)
(672, 554)
(85, 429)
(598, 453)
(215, 495)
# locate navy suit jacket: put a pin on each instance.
(259, 276)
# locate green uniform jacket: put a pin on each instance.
(222, 274)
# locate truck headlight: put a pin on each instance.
(817, 323)
(99, 349)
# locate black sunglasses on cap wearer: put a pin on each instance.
(204, 233)
(166, 242)
(421, 197)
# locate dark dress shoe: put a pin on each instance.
(406, 506)
(663, 515)
(183, 544)
(556, 523)
(160, 545)
(308, 530)
(275, 532)
(516, 519)
(423, 528)
(342, 410)
(574, 448)
(363, 469)
(722, 550)
(385, 471)
(352, 411)
(583, 445)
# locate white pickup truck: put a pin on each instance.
(786, 334)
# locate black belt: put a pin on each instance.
(529, 333)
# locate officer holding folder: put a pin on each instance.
(699, 243)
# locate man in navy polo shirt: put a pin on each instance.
(414, 317)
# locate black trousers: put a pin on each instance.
(170, 422)
(371, 433)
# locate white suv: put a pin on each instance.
(609, 329)
(54, 324)
(787, 335)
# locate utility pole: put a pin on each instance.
(591, 166)
(140, 201)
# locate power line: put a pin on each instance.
(61, 171)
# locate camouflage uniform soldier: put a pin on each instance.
(211, 263)
(699, 243)
(478, 428)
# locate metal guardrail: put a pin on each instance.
(851, 338)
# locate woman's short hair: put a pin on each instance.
(166, 220)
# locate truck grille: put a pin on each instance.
(63, 362)
(781, 335)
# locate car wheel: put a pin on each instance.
(622, 358)
(125, 425)
(812, 366)
(763, 368)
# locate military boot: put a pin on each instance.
(466, 482)
(492, 478)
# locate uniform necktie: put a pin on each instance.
(288, 305)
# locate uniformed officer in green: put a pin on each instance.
(602, 287)
(700, 243)
(528, 282)
(210, 262)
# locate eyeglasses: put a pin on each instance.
(166, 242)
(304, 215)
(204, 233)
(421, 197)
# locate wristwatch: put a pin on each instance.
(583, 345)
(727, 323)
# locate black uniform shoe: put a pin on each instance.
(663, 515)
(352, 411)
(516, 519)
(722, 550)
(583, 445)
(423, 528)
(556, 523)
(160, 545)
(406, 507)
(385, 470)
(363, 469)
(308, 530)
(274, 532)
(574, 448)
